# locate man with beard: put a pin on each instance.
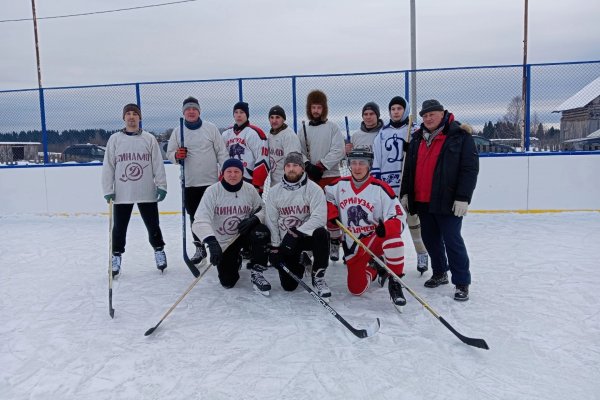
(296, 217)
(322, 144)
(227, 221)
(204, 151)
(369, 128)
(369, 209)
(282, 141)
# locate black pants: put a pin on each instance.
(192, 197)
(122, 214)
(257, 240)
(318, 243)
(445, 245)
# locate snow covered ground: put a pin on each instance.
(535, 299)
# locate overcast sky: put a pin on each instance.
(226, 38)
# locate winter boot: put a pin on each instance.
(334, 249)
(161, 258)
(318, 282)
(259, 283)
(200, 253)
(437, 280)
(422, 262)
(396, 294)
(116, 264)
(461, 293)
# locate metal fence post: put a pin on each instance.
(527, 106)
(138, 99)
(44, 131)
(406, 91)
(295, 110)
(240, 90)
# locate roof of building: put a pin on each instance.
(581, 98)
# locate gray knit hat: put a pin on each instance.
(295, 158)
(373, 107)
(429, 106)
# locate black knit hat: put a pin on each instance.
(241, 105)
(373, 107)
(429, 106)
(397, 100)
(132, 107)
(277, 110)
(233, 162)
(191, 102)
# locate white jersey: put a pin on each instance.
(300, 205)
(361, 209)
(280, 145)
(325, 145)
(388, 150)
(205, 153)
(133, 168)
(220, 212)
(250, 146)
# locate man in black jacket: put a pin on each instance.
(437, 183)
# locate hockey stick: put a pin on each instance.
(480, 343)
(347, 130)
(187, 260)
(360, 333)
(306, 141)
(111, 310)
(151, 330)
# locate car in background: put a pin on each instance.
(589, 143)
(84, 153)
(485, 145)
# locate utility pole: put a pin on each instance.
(41, 91)
(524, 118)
(413, 61)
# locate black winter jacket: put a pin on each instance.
(455, 174)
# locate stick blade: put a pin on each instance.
(150, 331)
(369, 331)
(475, 342)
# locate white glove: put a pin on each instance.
(404, 202)
(460, 208)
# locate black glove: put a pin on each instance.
(315, 173)
(275, 257)
(214, 248)
(247, 224)
(290, 241)
(380, 229)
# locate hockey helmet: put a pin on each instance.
(361, 154)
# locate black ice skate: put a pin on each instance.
(200, 253)
(259, 283)
(161, 258)
(396, 294)
(116, 264)
(422, 262)
(318, 282)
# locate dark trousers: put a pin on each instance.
(318, 243)
(192, 197)
(122, 215)
(445, 245)
(257, 240)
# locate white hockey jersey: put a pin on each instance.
(280, 144)
(361, 209)
(249, 145)
(301, 206)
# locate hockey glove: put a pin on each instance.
(181, 153)
(380, 229)
(214, 248)
(290, 241)
(160, 194)
(247, 224)
(314, 172)
(460, 208)
(109, 197)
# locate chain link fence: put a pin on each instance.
(72, 124)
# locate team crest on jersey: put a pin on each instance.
(356, 214)
(230, 226)
(393, 145)
(133, 172)
(391, 179)
(236, 150)
(289, 222)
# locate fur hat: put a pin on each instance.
(132, 107)
(191, 102)
(373, 107)
(277, 110)
(429, 106)
(316, 97)
(399, 100)
(242, 105)
(295, 158)
(233, 162)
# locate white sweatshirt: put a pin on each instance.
(280, 145)
(325, 145)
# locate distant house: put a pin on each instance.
(18, 151)
(581, 112)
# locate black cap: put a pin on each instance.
(397, 100)
(429, 106)
(132, 107)
(277, 110)
(241, 105)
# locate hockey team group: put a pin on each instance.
(424, 175)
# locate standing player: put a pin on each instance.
(369, 128)
(282, 141)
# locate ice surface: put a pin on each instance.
(535, 299)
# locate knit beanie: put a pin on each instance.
(397, 100)
(295, 158)
(241, 105)
(277, 110)
(373, 107)
(430, 105)
(132, 107)
(191, 102)
(233, 162)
